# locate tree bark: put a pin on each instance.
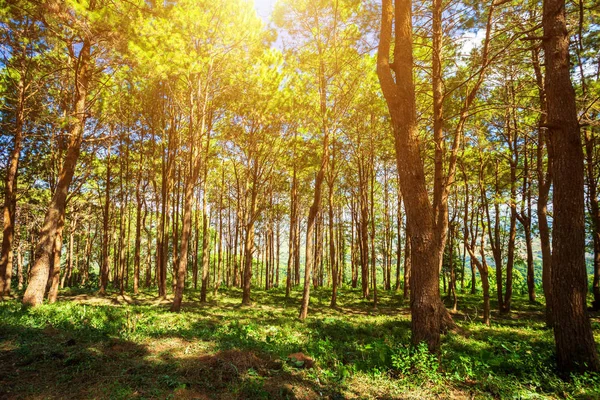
(34, 294)
(575, 347)
(55, 264)
(426, 306)
(10, 194)
(544, 184)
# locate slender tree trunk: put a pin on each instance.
(219, 246)
(19, 267)
(185, 234)
(372, 233)
(316, 205)
(590, 141)
(69, 269)
(544, 183)
(407, 267)
(205, 246)
(34, 294)
(332, 255)
(10, 194)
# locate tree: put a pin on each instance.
(398, 88)
(23, 49)
(575, 347)
(82, 56)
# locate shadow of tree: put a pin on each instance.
(69, 364)
(138, 349)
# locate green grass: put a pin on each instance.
(133, 347)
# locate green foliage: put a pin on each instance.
(416, 362)
(355, 350)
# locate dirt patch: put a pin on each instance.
(220, 369)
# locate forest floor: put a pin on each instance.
(123, 347)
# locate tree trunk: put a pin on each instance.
(292, 237)
(590, 141)
(205, 245)
(316, 205)
(10, 195)
(426, 306)
(34, 294)
(544, 183)
(55, 264)
(332, 255)
(575, 347)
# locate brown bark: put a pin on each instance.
(494, 236)
(138, 221)
(316, 205)
(372, 226)
(292, 237)
(544, 182)
(524, 217)
(105, 263)
(426, 306)
(10, 194)
(483, 272)
(590, 140)
(219, 271)
(19, 267)
(34, 293)
(332, 255)
(205, 245)
(363, 233)
(194, 163)
(512, 232)
(398, 239)
(575, 347)
(70, 256)
(310, 228)
(54, 274)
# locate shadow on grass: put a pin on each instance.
(72, 364)
(89, 349)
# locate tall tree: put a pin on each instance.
(575, 347)
(396, 80)
(80, 50)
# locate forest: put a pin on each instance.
(277, 199)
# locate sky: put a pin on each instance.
(264, 7)
(470, 40)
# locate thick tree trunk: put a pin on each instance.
(54, 274)
(426, 306)
(575, 347)
(34, 294)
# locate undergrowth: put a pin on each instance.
(137, 348)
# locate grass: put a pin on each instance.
(121, 347)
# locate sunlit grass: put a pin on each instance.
(114, 349)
